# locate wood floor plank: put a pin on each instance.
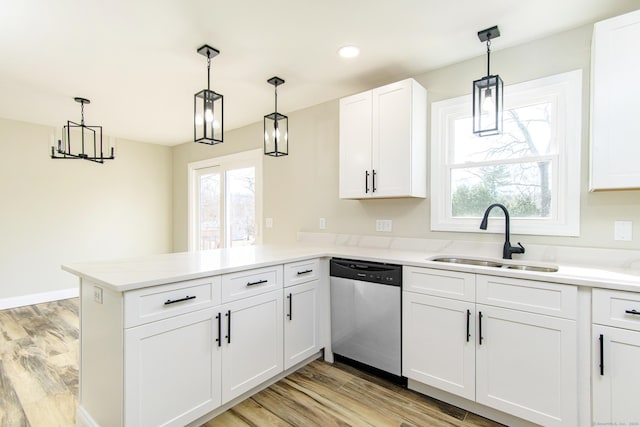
(11, 412)
(54, 410)
(252, 414)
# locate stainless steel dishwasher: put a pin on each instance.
(366, 314)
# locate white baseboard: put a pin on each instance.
(23, 300)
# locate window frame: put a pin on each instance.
(244, 159)
(566, 90)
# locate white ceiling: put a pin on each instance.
(136, 60)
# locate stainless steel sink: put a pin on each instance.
(469, 261)
(538, 268)
(495, 264)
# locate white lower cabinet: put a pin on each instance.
(442, 356)
(301, 332)
(615, 355)
(520, 362)
(526, 365)
(251, 343)
(171, 358)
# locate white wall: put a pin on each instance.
(64, 211)
(301, 188)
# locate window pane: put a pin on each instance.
(524, 188)
(526, 132)
(209, 211)
(241, 206)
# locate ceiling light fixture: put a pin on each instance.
(348, 51)
(88, 136)
(488, 94)
(276, 127)
(207, 107)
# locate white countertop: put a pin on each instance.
(134, 273)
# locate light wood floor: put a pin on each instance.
(39, 385)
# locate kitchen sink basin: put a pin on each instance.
(496, 264)
(538, 268)
(469, 261)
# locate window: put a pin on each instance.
(225, 201)
(533, 167)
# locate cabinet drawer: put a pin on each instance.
(552, 299)
(301, 272)
(441, 283)
(160, 302)
(616, 308)
(247, 283)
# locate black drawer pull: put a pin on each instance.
(290, 298)
(228, 316)
(173, 301)
(259, 282)
(634, 311)
(300, 273)
(468, 321)
(480, 328)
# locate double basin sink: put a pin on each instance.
(496, 264)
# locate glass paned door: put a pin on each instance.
(225, 207)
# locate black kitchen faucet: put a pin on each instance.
(507, 249)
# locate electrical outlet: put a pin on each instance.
(97, 294)
(384, 225)
(323, 223)
(268, 222)
(623, 230)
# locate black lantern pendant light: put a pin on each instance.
(276, 127)
(488, 94)
(207, 107)
(87, 140)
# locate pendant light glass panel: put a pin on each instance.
(276, 135)
(488, 95)
(208, 111)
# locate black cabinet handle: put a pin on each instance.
(219, 339)
(468, 321)
(366, 182)
(633, 311)
(601, 354)
(373, 181)
(173, 301)
(290, 298)
(480, 327)
(259, 282)
(300, 273)
(228, 337)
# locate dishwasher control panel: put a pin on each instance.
(366, 271)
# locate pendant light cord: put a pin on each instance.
(276, 92)
(82, 113)
(488, 57)
(208, 70)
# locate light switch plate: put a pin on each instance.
(268, 222)
(623, 230)
(323, 223)
(97, 294)
(384, 225)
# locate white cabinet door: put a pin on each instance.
(172, 371)
(252, 346)
(526, 365)
(301, 338)
(614, 103)
(397, 141)
(615, 387)
(355, 146)
(438, 339)
(383, 142)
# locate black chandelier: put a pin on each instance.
(276, 127)
(488, 94)
(90, 137)
(207, 107)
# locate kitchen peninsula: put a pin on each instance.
(228, 308)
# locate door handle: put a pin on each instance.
(468, 322)
(366, 182)
(601, 338)
(228, 337)
(480, 328)
(290, 298)
(373, 181)
(219, 339)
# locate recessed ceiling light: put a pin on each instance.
(348, 51)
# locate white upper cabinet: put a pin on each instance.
(615, 128)
(383, 142)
